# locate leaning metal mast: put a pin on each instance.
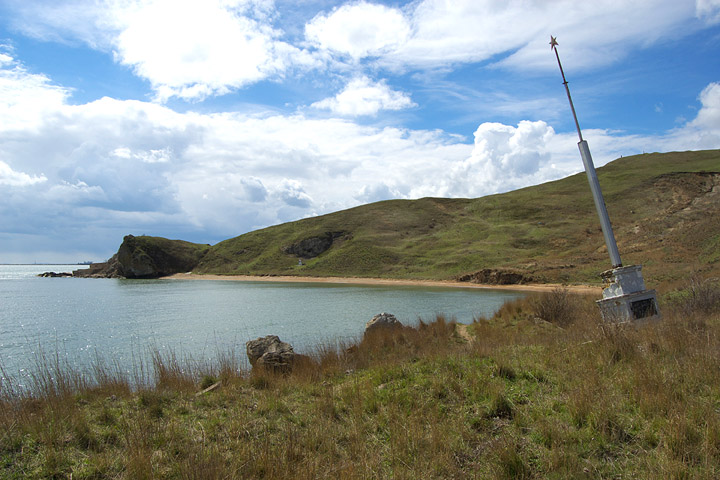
(625, 297)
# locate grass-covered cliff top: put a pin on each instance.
(663, 208)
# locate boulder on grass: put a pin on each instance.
(270, 353)
(382, 321)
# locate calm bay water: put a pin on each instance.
(80, 318)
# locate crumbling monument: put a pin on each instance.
(625, 298)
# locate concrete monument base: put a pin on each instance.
(625, 298)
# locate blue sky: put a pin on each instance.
(205, 119)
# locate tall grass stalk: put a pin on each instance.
(54, 377)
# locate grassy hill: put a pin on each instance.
(663, 208)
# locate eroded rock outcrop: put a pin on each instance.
(491, 276)
(311, 247)
(148, 257)
(55, 274)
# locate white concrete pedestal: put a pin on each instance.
(625, 298)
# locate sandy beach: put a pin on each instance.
(383, 281)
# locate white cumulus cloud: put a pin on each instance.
(292, 193)
(190, 49)
(703, 132)
(17, 179)
(26, 98)
(504, 155)
(376, 192)
(709, 115)
(359, 30)
(162, 155)
(195, 48)
(362, 96)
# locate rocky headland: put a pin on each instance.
(147, 257)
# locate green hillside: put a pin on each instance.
(663, 208)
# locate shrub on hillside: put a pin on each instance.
(558, 306)
(701, 296)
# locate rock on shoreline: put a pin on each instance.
(271, 354)
(382, 321)
(55, 274)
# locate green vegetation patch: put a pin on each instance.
(563, 396)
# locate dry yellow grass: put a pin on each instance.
(526, 398)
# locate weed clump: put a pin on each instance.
(501, 407)
(207, 381)
(558, 306)
(506, 372)
(702, 297)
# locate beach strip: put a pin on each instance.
(535, 287)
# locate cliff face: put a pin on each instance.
(148, 257)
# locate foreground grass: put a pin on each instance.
(555, 397)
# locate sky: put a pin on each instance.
(205, 119)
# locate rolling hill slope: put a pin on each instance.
(664, 209)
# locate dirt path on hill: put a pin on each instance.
(462, 330)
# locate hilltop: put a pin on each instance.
(663, 208)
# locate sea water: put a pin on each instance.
(119, 320)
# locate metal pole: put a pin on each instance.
(592, 176)
(600, 205)
(553, 44)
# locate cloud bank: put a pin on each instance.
(110, 167)
(75, 175)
